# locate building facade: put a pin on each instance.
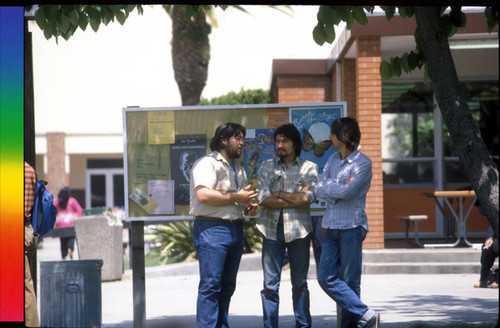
(401, 126)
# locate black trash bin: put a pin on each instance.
(70, 293)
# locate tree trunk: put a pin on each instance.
(474, 156)
(190, 54)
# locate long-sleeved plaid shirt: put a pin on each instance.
(274, 176)
(29, 189)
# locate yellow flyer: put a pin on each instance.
(161, 127)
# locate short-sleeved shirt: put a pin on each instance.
(274, 176)
(214, 172)
(29, 189)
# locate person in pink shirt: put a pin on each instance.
(68, 209)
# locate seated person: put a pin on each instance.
(488, 278)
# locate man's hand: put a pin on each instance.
(349, 179)
(245, 195)
(251, 209)
(488, 242)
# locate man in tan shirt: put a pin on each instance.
(219, 198)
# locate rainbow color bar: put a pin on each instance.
(11, 164)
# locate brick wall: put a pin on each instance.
(369, 111)
(56, 176)
(303, 89)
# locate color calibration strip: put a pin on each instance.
(11, 164)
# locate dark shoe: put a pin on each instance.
(486, 285)
(374, 321)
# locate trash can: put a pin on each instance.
(70, 293)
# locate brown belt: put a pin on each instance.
(218, 219)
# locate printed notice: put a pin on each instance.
(161, 127)
(143, 200)
(162, 191)
(186, 150)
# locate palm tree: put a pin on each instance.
(190, 52)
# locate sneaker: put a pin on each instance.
(374, 321)
(493, 285)
(477, 285)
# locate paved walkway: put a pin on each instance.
(401, 299)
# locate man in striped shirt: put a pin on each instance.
(284, 184)
(30, 309)
(344, 183)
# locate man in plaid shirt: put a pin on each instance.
(30, 309)
(284, 184)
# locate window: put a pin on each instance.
(105, 184)
(407, 133)
(409, 149)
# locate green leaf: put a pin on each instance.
(396, 66)
(446, 23)
(94, 24)
(83, 21)
(47, 33)
(405, 11)
(319, 35)
(73, 17)
(343, 12)
(120, 17)
(359, 15)
(40, 19)
(412, 60)
(389, 11)
(50, 10)
(491, 14)
(404, 62)
(329, 33)
(385, 70)
(64, 25)
(326, 15)
(349, 21)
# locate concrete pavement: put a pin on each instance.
(402, 299)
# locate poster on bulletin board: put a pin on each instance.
(162, 143)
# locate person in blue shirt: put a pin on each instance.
(344, 183)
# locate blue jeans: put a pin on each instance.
(219, 246)
(317, 238)
(339, 274)
(273, 252)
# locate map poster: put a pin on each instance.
(183, 153)
(259, 147)
(314, 127)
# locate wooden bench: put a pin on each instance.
(413, 219)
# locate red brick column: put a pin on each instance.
(369, 111)
(56, 176)
(349, 85)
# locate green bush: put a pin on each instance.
(252, 96)
(174, 241)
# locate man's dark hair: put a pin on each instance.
(290, 131)
(226, 131)
(347, 131)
